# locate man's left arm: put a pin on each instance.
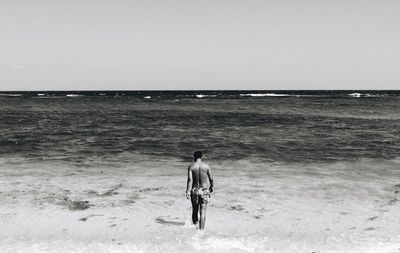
(211, 179)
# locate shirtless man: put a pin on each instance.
(199, 176)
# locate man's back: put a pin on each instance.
(200, 175)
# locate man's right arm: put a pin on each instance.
(189, 182)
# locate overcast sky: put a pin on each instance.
(205, 44)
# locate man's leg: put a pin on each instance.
(203, 209)
(195, 213)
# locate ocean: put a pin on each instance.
(294, 171)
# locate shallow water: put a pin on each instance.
(269, 207)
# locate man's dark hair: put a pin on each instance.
(197, 155)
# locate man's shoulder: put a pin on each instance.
(205, 165)
(201, 165)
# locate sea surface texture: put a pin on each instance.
(294, 171)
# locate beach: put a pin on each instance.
(294, 176)
(268, 208)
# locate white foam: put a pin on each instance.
(67, 246)
(214, 244)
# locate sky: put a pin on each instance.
(207, 44)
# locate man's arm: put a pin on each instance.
(210, 177)
(189, 182)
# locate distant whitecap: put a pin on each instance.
(11, 95)
(357, 95)
(203, 96)
(264, 95)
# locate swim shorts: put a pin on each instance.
(200, 196)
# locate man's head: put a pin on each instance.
(197, 155)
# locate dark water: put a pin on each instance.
(120, 126)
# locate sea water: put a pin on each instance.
(294, 171)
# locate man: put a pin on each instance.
(199, 176)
